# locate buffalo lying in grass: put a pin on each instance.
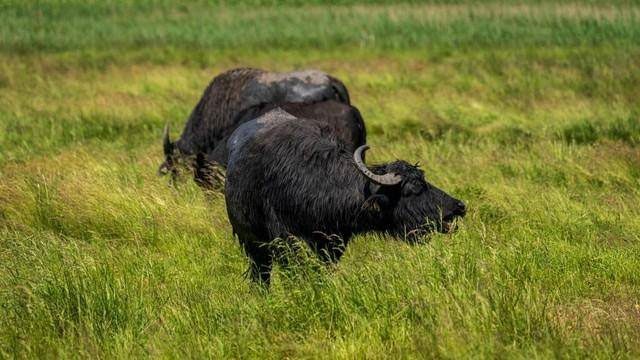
(229, 94)
(287, 177)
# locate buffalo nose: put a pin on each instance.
(461, 208)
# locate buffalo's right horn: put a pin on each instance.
(386, 179)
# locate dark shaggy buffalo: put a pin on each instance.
(232, 92)
(339, 119)
(286, 177)
(334, 118)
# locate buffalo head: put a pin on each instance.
(408, 205)
(175, 162)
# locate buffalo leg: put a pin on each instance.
(261, 262)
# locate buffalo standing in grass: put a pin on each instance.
(287, 177)
(229, 94)
(334, 118)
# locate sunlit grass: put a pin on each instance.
(100, 258)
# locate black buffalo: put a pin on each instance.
(334, 118)
(229, 94)
(286, 177)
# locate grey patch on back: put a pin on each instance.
(273, 117)
(315, 77)
(297, 86)
(247, 131)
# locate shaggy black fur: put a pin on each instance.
(229, 94)
(334, 118)
(286, 177)
(342, 120)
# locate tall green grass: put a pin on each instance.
(29, 27)
(527, 111)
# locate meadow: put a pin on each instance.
(529, 111)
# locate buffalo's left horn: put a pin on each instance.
(166, 141)
(386, 179)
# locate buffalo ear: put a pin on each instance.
(201, 162)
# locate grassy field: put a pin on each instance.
(528, 111)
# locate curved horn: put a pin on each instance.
(386, 179)
(166, 141)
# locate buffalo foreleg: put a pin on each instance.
(260, 262)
